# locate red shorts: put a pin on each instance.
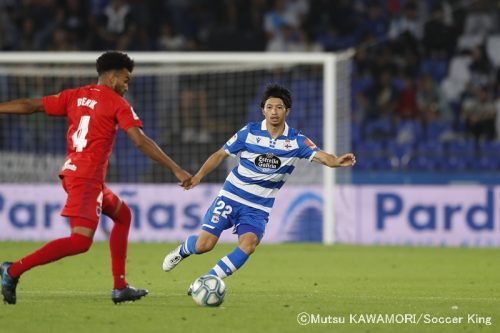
(88, 199)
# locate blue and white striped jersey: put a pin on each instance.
(265, 163)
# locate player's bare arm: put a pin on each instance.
(210, 164)
(333, 161)
(22, 106)
(146, 145)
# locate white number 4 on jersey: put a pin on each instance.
(79, 137)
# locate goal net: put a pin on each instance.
(190, 104)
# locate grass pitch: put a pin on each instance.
(277, 284)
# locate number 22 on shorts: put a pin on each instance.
(221, 208)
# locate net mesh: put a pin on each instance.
(190, 110)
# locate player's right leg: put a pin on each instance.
(118, 211)
(213, 225)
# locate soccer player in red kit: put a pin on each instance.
(94, 114)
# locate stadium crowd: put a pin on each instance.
(425, 75)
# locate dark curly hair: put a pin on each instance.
(277, 91)
(113, 60)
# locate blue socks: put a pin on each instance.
(229, 264)
(224, 267)
(189, 246)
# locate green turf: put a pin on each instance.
(277, 284)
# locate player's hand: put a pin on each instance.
(195, 180)
(346, 160)
(183, 176)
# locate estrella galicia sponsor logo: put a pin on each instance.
(267, 163)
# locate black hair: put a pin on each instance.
(277, 91)
(113, 60)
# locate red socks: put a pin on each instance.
(78, 243)
(51, 251)
(118, 241)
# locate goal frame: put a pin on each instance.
(330, 100)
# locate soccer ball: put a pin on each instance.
(208, 290)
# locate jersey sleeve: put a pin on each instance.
(307, 148)
(127, 117)
(237, 142)
(56, 105)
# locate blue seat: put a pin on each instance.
(424, 163)
(437, 68)
(461, 155)
(400, 154)
(410, 131)
(461, 147)
(490, 147)
(487, 162)
(436, 129)
(378, 129)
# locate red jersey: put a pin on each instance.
(94, 113)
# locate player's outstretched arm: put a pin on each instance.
(210, 164)
(146, 145)
(22, 106)
(333, 161)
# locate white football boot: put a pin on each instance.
(172, 259)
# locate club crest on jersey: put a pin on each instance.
(287, 144)
(98, 209)
(215, 218)
(232, 140)
(267, 163)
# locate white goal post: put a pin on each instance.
(335, 95)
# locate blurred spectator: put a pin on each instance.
(170, 41)
(439, 38)
(115, 27)
(482, 72)
(431, 101)
(194, 110)
(408, 23)
(60, 41)
(373, 22)
(9, 32)
(381, 99)
(75, 22)
(239, 27)
(292, 40)
(479, 114)
(407, 104)
(275, 19)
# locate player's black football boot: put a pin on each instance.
(126, 294)
(9, 284)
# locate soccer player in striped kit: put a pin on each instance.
(94, 113)
(269, 151)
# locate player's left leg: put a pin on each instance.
(250, 230)
(121, 215)
(249, 237)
